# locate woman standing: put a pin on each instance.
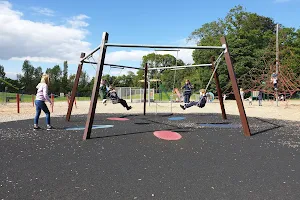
(187, 91)
(41, 97)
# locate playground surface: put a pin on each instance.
(269, 110)
(125, 160)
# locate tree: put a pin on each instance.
(84, 85)
(2, 76)
(27, 79)
(166, 76)
(55, 79)
(2, 72)
(248, 35)
(64, 80)
(38, 72)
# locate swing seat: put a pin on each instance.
(115, 101)
(202, 102)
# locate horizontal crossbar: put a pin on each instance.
(185, 66)
(114, 65)
(162, 46)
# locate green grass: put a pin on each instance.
(26, 98)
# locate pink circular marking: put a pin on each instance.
(117, 119)
(167, 135)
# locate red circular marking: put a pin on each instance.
(167, 135)
(117, 119)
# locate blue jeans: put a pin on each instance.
(187, 98)
(41, 105)
(190, 104)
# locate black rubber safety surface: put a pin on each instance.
(127, 161)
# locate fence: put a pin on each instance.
(134, 94)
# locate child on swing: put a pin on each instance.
(201, 103)
(112, 94)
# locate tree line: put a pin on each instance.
(251, 38)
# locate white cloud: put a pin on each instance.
(44, 42)
(119, 56)
(137, 55)
(281, 1)
(43, 11)
(78, 21)
(38, 41)
(11, 75)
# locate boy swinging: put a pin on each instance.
(201, 103)
(112, 94)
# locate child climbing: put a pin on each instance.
(274, 80)
(187, 91)
(112, 94)
(201, 103)
(41, 97)
(242, 93)
(103, 91)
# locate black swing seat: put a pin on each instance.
(115, 101)
(202, 102)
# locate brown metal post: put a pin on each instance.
(219, 91)
(97, 80)
(235, 88)
(145, 87)
(74, 90)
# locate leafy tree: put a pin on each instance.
(248, 35)
(2, 76)
(64, 81)
(84, 85)
(55, 79)
(28, 78)
(38, 72)
(2, 72)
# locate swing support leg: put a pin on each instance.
(235, 88)
(219, 91)
(97, 80)
(74, 90)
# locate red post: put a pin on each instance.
(32, 97)
(18, 103)
(52, 100)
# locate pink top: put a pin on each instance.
(42, 92)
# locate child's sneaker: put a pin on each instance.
(129, 107)
(181, 106)
(36, 127)
(104, 101)
(49, 127)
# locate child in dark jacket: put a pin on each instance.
(112, 94)
(187, 91)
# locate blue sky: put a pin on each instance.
(48, 32)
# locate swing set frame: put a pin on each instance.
(99, 71)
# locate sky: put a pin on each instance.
(48, 32)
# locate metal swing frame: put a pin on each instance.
(100, 65)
